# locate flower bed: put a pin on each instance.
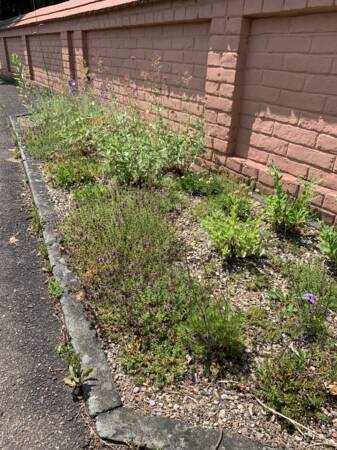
(213, 307)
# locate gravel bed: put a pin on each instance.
(226, 403)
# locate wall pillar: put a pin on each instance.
(27, 58)
(68, 55)
(225, 67)
(80, 56)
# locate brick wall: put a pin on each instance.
(13, 45)
(45, 52)
(263, 72)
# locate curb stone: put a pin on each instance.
(113, 421)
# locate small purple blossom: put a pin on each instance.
(310, 298)
(72, 83)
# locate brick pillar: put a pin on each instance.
(68, 54)
(5, 64)
(80, 56)
(27, 58)
(228, 41)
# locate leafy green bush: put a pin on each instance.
(140, 153)
(239, 201)
(328, 242)
(233, 237)
(311, 294)
(284, 213)
(291, 385)
(201, 184)
(213, 332)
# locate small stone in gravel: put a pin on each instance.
(222, 414)
(152, 402)
(175, 407)
(136, 390)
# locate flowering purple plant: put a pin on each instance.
(310, 298)
(72, 85)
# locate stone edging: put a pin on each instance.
(113, 421)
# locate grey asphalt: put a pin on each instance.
(36, 408)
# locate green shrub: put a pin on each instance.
(290, 384)
(311, 294)
(238, 200)
(213, 332)
(140, 153)
(64, 126)
(284, 213)
(328, 242)
(72, 173)
(233, 237)
(201, 184)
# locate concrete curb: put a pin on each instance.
(113, 421)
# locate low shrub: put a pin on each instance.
(71, 173)
(285, 214)
(201, 184)
(328, 242)
(233, 237)
(291, 384)
(140, 153)
(213, 332)
(238, 200)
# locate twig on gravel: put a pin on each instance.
(298, 425)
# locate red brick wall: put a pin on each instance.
(168, 60)
(264, 72)
(45, 51)
(14, 45)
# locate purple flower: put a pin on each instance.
(72, 83)
(310, 298)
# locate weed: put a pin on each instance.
(55, 290)
(213, 332)
(36, 222)
(311, 294)
(259, 282)
(44, 251)
(290, 384)
(328, 242)
(77, 376)
(287, 215)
